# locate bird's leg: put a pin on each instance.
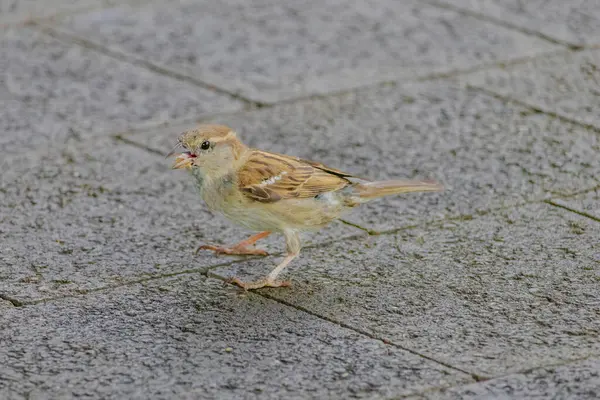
(269, 281)
(242, 248)
(292, 242)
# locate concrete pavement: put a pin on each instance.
(487, 290)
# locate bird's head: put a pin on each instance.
(214, 149)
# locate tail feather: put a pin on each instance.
(372, 190)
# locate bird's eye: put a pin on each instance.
(205, 145)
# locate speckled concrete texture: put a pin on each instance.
(566, 84)
(491, 295)
(489, 289)
(271, 51)
(576, 23)
(194, 338)
(91, 92)
(577, 380)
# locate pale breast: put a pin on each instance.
(301, 214)
(220, 196)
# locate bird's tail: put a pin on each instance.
(371, 190)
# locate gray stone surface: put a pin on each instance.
(73, 221)
(487, 153)
(497, 294)
(25, 128)
(92, 92)
(269, 51)
(101, 295)
(194, 338)
(567, 84)
(578, 380)
(576, 22)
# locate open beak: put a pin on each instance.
(183, 161)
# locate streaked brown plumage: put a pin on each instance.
(269, 192)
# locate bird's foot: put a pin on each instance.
(235, 250)
(259, 284)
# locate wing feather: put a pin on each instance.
(270, 177)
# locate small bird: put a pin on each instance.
(269, 192)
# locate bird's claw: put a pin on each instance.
(258, 284)
(236, 250)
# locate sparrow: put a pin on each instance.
(269, 192)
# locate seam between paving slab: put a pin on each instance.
(424, 78)
(492, 65)
(69, 38)
(521, 372)
(573, 210)
(534, 108)
(505, 24)
(446, 76)
(553, 203)
(362, 332)
(152, 277)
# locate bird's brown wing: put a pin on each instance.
(269, 177)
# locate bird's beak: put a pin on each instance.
(183, 161)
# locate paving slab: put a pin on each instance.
(100, 213)
(486, 152)
(574, 22)
(271, 51)
(567, 84)
(94, 93)
(493, 295)
(578, 380)
(25, 128)
(192, 337)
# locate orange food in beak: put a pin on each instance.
(183, 161)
